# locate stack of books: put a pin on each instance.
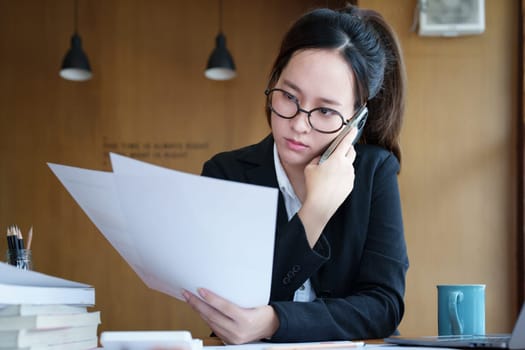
(40, 312)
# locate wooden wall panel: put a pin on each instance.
(458, 178)
(149, 98)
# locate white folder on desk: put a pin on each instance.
(182, 231)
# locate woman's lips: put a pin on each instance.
(295, 145)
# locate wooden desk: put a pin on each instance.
(212, 341)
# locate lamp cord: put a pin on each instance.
(220, 16)
(76, 17)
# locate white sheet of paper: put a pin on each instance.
(182, 231)
(324, 345)
(15, 276)
(310, 346)
(96, 193)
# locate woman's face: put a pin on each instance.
(316, 78)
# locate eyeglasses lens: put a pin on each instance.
(283, 104)
(286, 106)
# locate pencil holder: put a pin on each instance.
(21, 258)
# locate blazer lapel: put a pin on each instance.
(263, 173)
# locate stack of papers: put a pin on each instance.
(182, 231)
(38, 311)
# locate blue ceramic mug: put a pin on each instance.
(461, 309)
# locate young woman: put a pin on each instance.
(340, 256)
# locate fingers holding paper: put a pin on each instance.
(230, 322)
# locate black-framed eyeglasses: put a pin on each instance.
(322, 119)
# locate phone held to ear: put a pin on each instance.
(358, 121)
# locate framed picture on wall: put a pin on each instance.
(451, 17)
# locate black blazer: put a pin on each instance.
(357, 267)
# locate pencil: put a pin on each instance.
(20, 239)
(10, 239)
(29, 238)
(12, 243)
(13, 238)
(316, 346)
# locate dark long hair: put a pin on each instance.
(372, 51)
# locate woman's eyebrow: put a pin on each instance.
(291, 85)
(296, 88)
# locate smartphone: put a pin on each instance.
(357, 121)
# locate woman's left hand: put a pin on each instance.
(230, 322)
(327, 186)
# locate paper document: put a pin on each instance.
(340, 345)
(19, 277)
(182, 231)
(325, 345)
(19, 286)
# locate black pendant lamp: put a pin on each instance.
(75, 65)
(220, 64)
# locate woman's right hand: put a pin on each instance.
(327, 186)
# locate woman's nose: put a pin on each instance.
(300, 123)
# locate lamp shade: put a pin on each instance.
(75, 65)
(220, 64)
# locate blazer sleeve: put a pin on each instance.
(371, 305)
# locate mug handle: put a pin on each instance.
(453, 299)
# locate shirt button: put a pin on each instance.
(301, 287)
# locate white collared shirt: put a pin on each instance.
(292, 204)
